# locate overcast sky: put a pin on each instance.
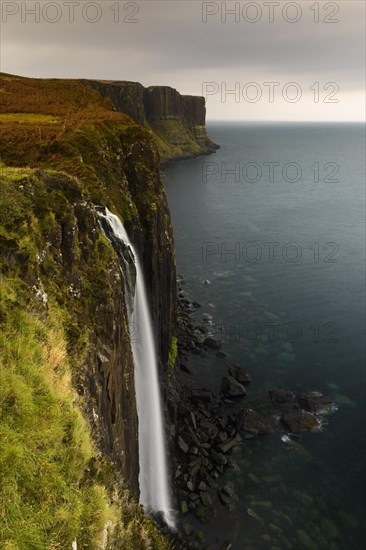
(189, 46)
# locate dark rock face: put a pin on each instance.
(253, 422)
(110, 371)
(178, 120)
(300, 422)
(240, 374)
(152, 235)
(163, 102)
(281, 397)
(231, 387)
(90, 282)
(213, 343)
(105, 378)
(315, 402)
(166, 102)
(127, 97)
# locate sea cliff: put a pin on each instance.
(68, 147)
(177, 122)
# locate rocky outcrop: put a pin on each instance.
(176, 121)
(127, 97)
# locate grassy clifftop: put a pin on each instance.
(67, 409)
(64, 125)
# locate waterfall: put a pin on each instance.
(153, 476)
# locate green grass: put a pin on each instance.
(47, 500)
(173, 352)
(174, 139)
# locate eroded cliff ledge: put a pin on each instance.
(178, 122)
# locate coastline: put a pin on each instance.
(207, 428)
(167, 161)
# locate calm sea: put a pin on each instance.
(274, 221)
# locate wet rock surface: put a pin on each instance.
(231, 387)
(298, 422)
(315, 402)
(241, 375)
(210, 426)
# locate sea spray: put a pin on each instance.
(153, 476)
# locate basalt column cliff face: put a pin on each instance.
(65, 153)
(178, 122)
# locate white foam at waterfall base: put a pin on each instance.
(153, 476)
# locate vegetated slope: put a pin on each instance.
(68, 413)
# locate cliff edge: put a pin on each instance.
(68, 422)
(177, 122)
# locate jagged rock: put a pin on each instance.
(300, 421)
(187, 528)
(231, 387)
(199, 338)
(223, 422)
(193, 420)
(281, 397)
(186, 368)
(201, 514)
(224, 498)
(182, 444)
(213, 343)
(190, 485)
(227, 445)
(221, 437)
(184, 506)
(255, 423)
(240, 374)
(218, 458)
(226, 494)
(194, 469)
(228, 490)
(202, 395)
(209, 427)
(205, 498)
(205, 413)
(315, 402)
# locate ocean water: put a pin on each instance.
(274, 221)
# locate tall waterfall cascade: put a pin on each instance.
(153, 473)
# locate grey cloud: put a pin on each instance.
(171, 42)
